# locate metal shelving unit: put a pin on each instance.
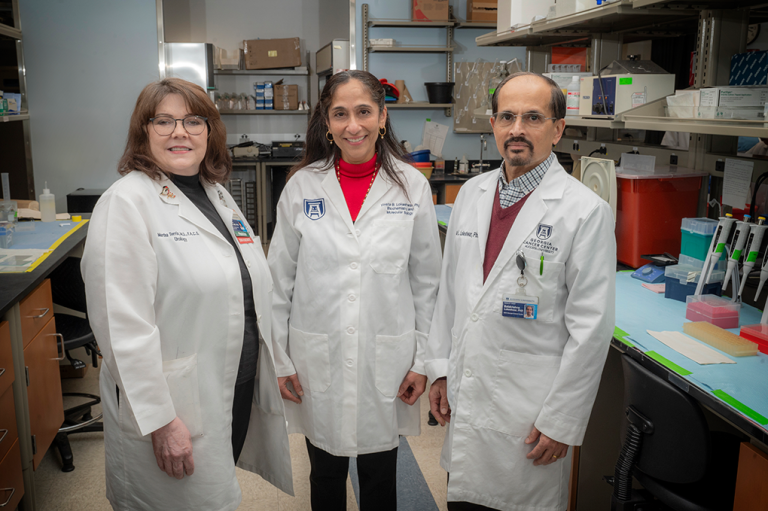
(303, 71)
(448, 25)
(265, 112)
(418, 106)
(23, 116)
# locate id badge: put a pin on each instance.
(241, 232)
(520, 306)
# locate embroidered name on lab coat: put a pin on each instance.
(177, 235)
(399, 208)
(466, 234)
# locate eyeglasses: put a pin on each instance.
(530, 119)
(164, 125)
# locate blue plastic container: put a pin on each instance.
(420, 156)
(676, 290)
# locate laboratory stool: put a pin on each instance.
(68, 291)
(669, 449)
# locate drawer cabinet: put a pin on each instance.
(11, 481)
(46, 406)
(8, 431)
(6, 359)
(36, 310)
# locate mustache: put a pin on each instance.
(517, 140)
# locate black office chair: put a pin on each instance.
(68, 291)
(669, 449)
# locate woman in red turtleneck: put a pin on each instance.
(355, 261)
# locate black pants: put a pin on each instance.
(467, 506)
(241, 415)
(377, 473)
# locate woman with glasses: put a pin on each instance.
(356, 263)
(179, 296)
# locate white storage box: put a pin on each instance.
(513, 13)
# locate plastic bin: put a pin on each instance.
(649, 212)
(420, 156)
(686, 260)
(439, 92)
(758, 334)
(681, 281)
(713, 309)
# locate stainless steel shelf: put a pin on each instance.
(418, 105)
(11, 118)
(372, 22)
(614, 124)
(411, 49)
(261, 72)
(476, 24)
(10, 32)
(465, 131)
(731, 127)
(266, 112)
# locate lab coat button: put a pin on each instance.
(349, 363)
(248, 264)
(353, 266)
(468, 373)
(351, 330)
(474, 317)
(352, 297)
(357, 231)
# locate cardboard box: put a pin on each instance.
(430, 10)
(749, 68)
(286, 97)
(482, 10)
(733, 96)
(272, 53)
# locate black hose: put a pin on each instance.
(752, 205)
(622, 484)
(598, 150)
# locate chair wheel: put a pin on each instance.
(78, 364)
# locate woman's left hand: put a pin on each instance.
(412, 387)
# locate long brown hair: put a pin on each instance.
(217, 164)
(318, 148)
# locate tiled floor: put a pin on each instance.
(84, 487)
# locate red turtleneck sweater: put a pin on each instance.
(355, 178)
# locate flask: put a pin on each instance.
(47, 205)
(573, 97)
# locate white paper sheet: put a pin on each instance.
(738, 176)
(643, 162)
(433, 137)
(691, 348)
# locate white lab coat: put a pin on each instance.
(165, 302)
(353, 304)
(506, 375)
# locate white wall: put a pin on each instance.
(334, 20)
(416, 69)
(86, 62)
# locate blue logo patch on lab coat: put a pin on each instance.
(544, 232)
(314, 208)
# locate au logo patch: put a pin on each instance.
(314, 208)
(544, 232)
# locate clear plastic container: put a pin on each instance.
(687, 273)
(696, 236)
(719, 311)
(686, 260)
(6, 234)
(758, 334)
(703, 226)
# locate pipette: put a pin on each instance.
(715, 249)
(756, 234)
(739, 240)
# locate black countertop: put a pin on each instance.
(15, 286)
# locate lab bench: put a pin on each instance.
(31, 404)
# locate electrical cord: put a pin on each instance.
(752, 205)
(599, 150)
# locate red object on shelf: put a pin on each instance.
(649, 211)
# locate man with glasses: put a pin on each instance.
(515, 390)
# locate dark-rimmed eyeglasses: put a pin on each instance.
(164, 125)
(529, 119)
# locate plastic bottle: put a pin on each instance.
(47, 205)
(573, 97)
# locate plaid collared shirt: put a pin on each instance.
(510, 193)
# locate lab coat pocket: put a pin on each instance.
(522, 383)
(543, 283)
(310, 354)
(391, 245)
(394, 358)
(181, 376)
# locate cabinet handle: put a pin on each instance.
(12, 490)
(63, 352)
(5, 432)
(2, 371)
(41, 315)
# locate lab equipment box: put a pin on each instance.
(696, 236)
(719, 311)
(430, 10)
(731, 97)
(482, 10)
(649, 209)
(749, 68)
(681, 281)
(333, 57)
(272, 53)
(625, 85)
(512, 13)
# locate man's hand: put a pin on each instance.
(282, 382)
(173, 449)
(547, 451)
(438, 401)
(412, 387)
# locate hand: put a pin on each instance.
(282, 382)
(547, 451)
(412, 387)
(173, 449)
(438, 401)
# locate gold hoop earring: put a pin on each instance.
(329, 139)
(382, 134)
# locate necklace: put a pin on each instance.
(377, 166)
